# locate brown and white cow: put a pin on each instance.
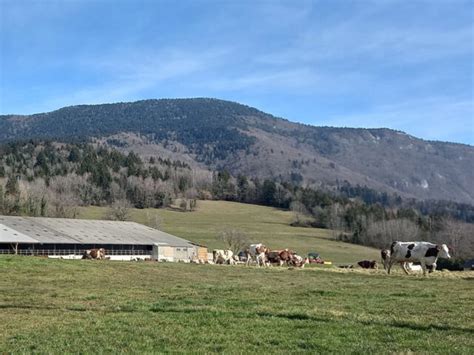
(98, 254)
(257, 252)
(385, 255)
(280, 257)
(423, 252)
(273, 257)
(298, 261)
(221, 256)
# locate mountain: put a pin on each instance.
(217, 134)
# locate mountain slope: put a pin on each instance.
(219, 134)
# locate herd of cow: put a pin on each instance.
(260, 255)
(409, 255)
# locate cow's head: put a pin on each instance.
(443, 251)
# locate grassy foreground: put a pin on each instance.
(57, 306)
(263, 224)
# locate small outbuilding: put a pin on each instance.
(69, 238)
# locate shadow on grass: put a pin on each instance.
(429, 327)
(422, 327)
(24, 306)
(292, 316)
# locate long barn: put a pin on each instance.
(69, 238)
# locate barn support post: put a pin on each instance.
(15, 248)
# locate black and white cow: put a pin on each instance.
(423, 252)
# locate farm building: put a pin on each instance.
(69, 238)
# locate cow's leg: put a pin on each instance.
(389, 267)
(423, 267)
(403, 265)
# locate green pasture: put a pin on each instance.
(85, 306)
(262, 224)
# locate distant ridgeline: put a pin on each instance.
(187, 121)
(222, 135)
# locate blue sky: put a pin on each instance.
(406, 65)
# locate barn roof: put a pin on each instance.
(80, 231)
(8, 235)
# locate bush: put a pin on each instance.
(450, 264)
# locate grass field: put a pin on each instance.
(62, 306)
(263, 224)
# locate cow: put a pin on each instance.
(279, 257)
(385, 254)
(367, 264)
(94, 254)
(257, 252)
(423, 252)
(273, 257)
(298, 261)
(221, 256)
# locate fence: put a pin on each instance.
(47, 252)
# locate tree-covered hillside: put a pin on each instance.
(210, 128)
(53, 179)
(215, 135)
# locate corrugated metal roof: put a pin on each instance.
(81, 231)
(9, 235)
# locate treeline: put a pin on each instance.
(53, 179)
(369, 218)
(456, 210)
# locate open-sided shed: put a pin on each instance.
(63, 237)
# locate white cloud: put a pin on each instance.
(127, 75)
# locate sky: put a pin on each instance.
(405, 65)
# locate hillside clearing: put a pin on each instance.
(57, 306)
(263, 224)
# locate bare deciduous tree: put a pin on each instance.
(299, 210)
(234, 239)
(153, 220)
(382, 233)
(458, 236)
(119, 211)
(334, 220)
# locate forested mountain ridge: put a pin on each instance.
(219, 134)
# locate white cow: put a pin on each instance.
(257, 252)
(423, 252)
(221, 256)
